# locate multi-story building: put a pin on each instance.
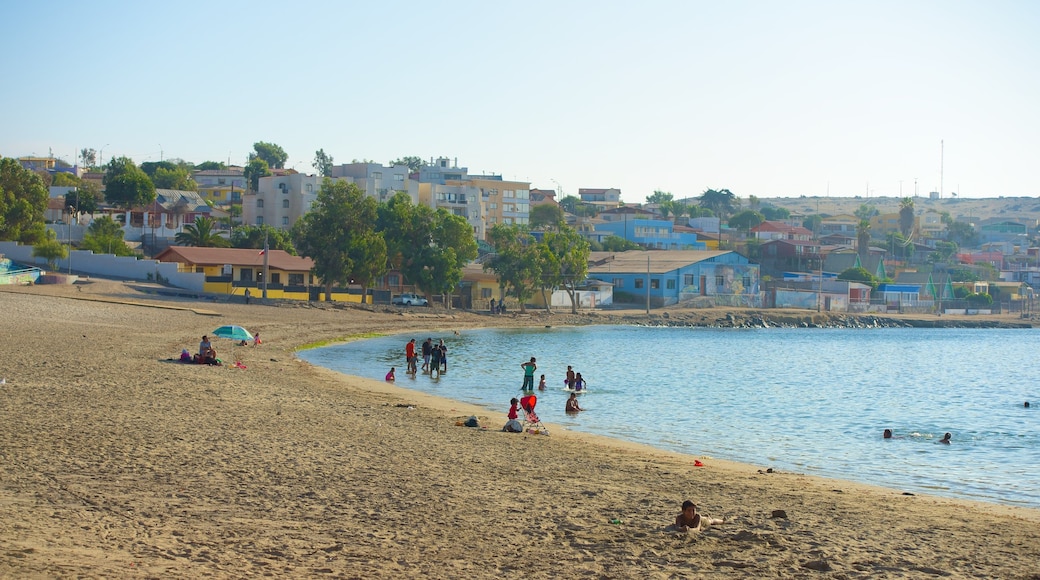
(374, 179)
(484, 200)
(280, 200)
(221, 186)
(605, 198)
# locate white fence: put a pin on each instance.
(109, 266)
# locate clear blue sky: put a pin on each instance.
(766, 98)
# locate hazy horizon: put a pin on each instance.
(763, 98)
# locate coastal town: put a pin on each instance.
(226, 231)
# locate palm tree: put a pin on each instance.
(863, 240)
(200, 234)
(721, 202)
(906, 216)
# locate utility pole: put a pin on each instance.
(266, 252)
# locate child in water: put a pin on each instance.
(390, 375)
(541, 384)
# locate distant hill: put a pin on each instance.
(965, 209)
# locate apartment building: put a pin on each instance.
(280, 200)
(376, 180)
(221, 186)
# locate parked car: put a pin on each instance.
(409, 300)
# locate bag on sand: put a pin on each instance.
(513, 426)
(472, 422)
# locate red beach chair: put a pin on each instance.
(531, 422)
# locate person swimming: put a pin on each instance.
(946, 439)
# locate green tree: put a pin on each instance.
(256, 169)
(62, 179)
(746, 220)
(23, 201)
(696, 211)
(517, 261)
(414, 163)
(50, 249)
(812, 223)
(126, 185)
(863, 239)
(859, 275)
(253, 237)
(88, 157)
(105, 236)
(201, 234)
(178, 178)
(773, 213)
(340, 236)
(659, 197)
(565, 262)
(721, 202)
(322, 163)
(963, 234)
(619, 244)
(85, 198)
(210, 165)
(546, 216)
(451, 248)
(906, 217)
(274, 155)
(150, 167)
(865, 212)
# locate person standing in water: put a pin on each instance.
(529, 368)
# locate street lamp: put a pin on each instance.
(101, 154)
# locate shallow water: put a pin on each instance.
(807, 400)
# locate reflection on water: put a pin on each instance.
(809, 400)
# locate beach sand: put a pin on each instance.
(118, 462)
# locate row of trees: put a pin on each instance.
(525, 264)
(353, 239)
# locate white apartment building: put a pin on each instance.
(374, 179)
(280, 200)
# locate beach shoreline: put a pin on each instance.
(118, 462)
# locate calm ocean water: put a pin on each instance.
(806, 400)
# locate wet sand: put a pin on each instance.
(116, 462)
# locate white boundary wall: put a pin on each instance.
(109, 266)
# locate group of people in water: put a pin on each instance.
(434, 356)
(574, 381)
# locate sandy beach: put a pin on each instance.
(116, 461)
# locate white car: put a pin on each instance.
(409, 300)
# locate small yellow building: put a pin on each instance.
(232, 271)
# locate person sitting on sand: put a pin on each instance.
(689, 519)
(946, 439)
(512, 425)
(390, 375)
(572, 404)
(204, 347)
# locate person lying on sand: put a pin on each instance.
(689, 519)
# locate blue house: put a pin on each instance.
(675, 276)
(650, 233)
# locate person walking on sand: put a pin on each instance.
(529, 368)
(689, 519)
(572, 404)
